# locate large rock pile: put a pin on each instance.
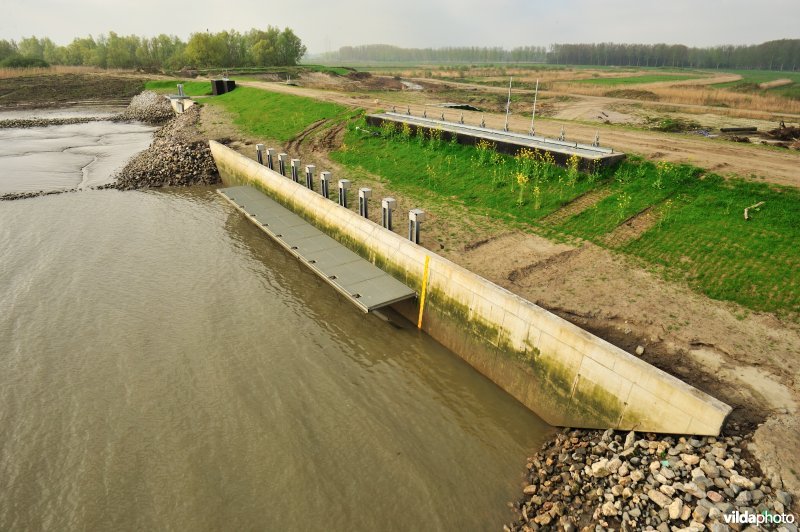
(177, 157)
(148, 107)
(589, 479)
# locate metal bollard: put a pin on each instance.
(260, 153)
(344, 184)
(295, 170)
(325, 181)
(310, 176)
(387, 205)
(271, 158)
(282, 163)
(415, 218)
(363, 196)
(180, 90)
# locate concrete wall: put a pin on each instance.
(173, 101)
(563, 373)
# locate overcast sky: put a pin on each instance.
(327, 25)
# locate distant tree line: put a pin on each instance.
(773, 55)
(385, 53)
(225, 49)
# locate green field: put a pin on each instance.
(700, 235)
(752, 78)
(170, 86)
(636, 80)
(272, 115)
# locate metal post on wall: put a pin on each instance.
(260, 153)
(295, 170)
(310, 176)
(271, 158)
(325, 182)
(415, 218)
(282, 163)
(344, 184)
(363, 196)
(387, 205)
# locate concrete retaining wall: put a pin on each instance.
(566, 375)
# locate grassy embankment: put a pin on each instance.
(270, 115)
(700, 235)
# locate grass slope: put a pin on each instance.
(271, 115)
(700, 236)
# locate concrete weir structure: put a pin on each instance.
(506, 141)
(564, 374)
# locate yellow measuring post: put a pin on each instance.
(424, 290)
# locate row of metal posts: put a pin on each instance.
(415, 216)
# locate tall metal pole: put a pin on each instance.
(533, 115)
(508, 104)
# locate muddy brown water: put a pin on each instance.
(163, 365)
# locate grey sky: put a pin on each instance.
(327, 25)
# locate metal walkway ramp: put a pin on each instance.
(363, 283)
(510, 138)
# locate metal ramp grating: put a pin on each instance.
(363, 283)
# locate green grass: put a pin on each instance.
(700, 236)
(757, 76)
(271, 115)
(474, 177)
(707, 242)
(635, 80)
(752, 78)
(170, 86)
(635, 187)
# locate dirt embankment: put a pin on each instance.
(62, 90)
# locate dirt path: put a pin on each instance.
(725, 158)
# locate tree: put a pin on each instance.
(289, 48)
